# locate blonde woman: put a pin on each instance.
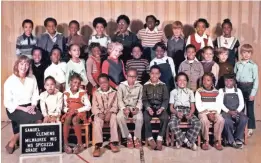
(21, 95)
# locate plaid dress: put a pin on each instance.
(181, 98)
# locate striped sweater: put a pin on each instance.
(208, 100)
(150, 38)
(142, 67)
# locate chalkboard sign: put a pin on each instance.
(45, 138)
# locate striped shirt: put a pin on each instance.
(142, 66)
(208, 100)
(150, 38)
(25, 44)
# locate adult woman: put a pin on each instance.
(21, 95)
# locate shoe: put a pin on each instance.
(97, 151)
(193, 147)
(218, 146)
(152, 144)
(205, 146)
(240, 144)
(78, 148)
(250, 132)
(114, 148)
(67, 149)
(137, 143)
(235, 145)
(9, 149)
(159, 145)
(130, 143)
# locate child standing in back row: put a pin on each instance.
(247, 77)
(150, 35)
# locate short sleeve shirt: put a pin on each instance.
(182, 97)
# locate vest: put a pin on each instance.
(116, 71)
(207, 66)
(231, 100)
(74, 103)
(195, 43)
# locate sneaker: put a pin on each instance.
(78, 148)
(137, 143)
(114, 148)
(97, 151)
(235, 145)
(130, 143)
(194, 147)
(67, 149)
(240, 144)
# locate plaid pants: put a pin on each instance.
(192, 133)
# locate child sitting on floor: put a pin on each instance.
(105, 109)
(51, 101)
(182, 107)
(76, 103)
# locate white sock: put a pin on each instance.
(134, 138)
(160, 138)
(185, 140)
(129, 136)
(150, 138)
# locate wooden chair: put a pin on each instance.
(86, 134)
(154, 120)
(170, 136)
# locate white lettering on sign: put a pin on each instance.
(48, 144)
(45, 133)
(30, 140)
(32, 130)
(30, 145)
(31, 150)
(53, 138)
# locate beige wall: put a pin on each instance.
(245, 16)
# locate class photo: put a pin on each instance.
(130, 81)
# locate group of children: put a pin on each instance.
(155, 76)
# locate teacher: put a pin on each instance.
(21, 95)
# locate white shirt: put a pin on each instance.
(209, 106)
(57, 72)
(163, 60)
(232, 90)
(17, 93)
(200, 39)
(51, 104)
(85, 100)
(104, 40)
(78, 68)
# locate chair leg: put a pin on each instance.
(172, 139)
(93, 137)
(245, 136)
(167, 137)
(87, 135)
(199, 140)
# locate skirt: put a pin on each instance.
(19, 117)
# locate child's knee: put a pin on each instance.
(68, 121)
(76, 120)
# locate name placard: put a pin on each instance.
(45, 138)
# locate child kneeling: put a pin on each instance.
(182, 107)
(104, 108)
(76, 103)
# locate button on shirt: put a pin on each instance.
(247, 72)
(181, 97)
(17, 93)
(57, 71)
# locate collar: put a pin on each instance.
(126, 83)
(155, 30)
(55, 64)
(98, 37)
(163, 58)
(195, 60)
(180, 90)
(179, 38)
(125, 33)
(109, 91)
(249, 61)
(24, 36)
(149, 82)
(56, 33)
(55, 92)
(69, 91)
(203, 36)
